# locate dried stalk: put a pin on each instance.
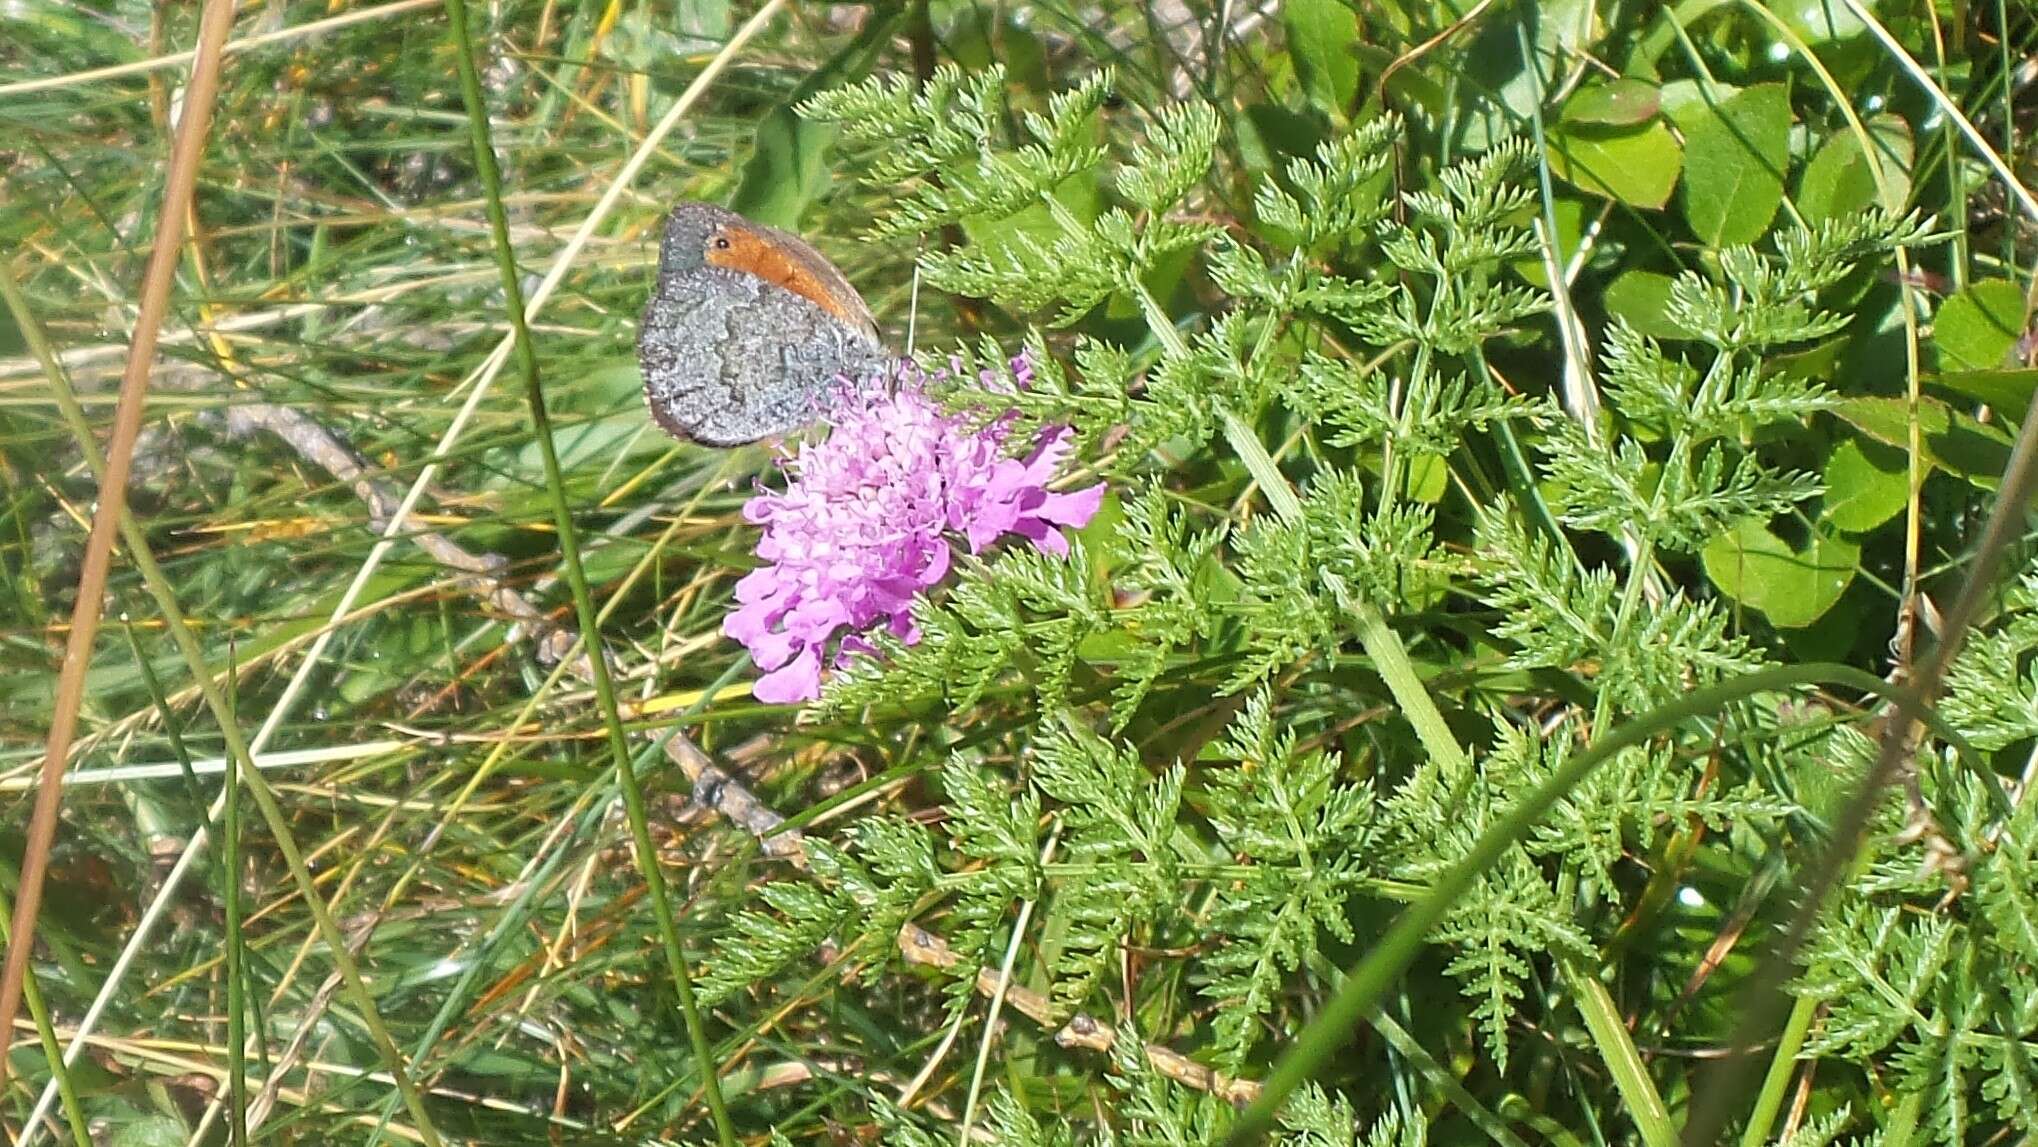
(193, 126)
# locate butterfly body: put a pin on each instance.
(748, 328)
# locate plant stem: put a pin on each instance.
(31, 994)
(236, 989)
(1260, 464)
(1390, 660)
(1381, 643)
(576, 575)
(1782, 1066)
(1904, 1123)
(1617, 1051)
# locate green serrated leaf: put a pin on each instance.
(1637, 166)
(1791, 587)
(1839, 180)
(1620, 102)
(1866, 484)
(1953, 441)
(1736, 151)
(1976, 328)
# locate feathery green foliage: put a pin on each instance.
(1469, 383)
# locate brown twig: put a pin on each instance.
(919, 946)
(326, 450)
(185, 153)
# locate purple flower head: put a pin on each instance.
(871, 516)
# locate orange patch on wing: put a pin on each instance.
(760, 255)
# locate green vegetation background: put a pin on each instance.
(1475, 381)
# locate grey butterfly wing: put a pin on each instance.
(729, 358)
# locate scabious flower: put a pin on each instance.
(871, 516)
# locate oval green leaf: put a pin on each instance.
(1840, 181)
(1736, 151)
(1792, 588)
(1618, 103)
(1321, 35)
(1867, 484)
(2007, 390)
(1637, 166)
(1643, 299)
(1953, 440)
(1976, 328)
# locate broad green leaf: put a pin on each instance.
(150, 1131)
(1682, 99)
(1270, 135)
(1736, 151)
(1662, 32)
(1792, 588)
(2007, 390)
(1976, 328)
(1618, 103)
(1952, 440)
(1321, 34)
(1642, 298)
(1427, 479)
(1867, 484)
(1637, 166)
(1819, 22)
(1819, 362)
(1405, 86)
(787, 168)
(1839, 180)
(1559, 32)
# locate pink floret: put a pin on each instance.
(870, 518)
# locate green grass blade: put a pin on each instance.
(576, 575)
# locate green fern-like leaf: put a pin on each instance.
(1304, 838)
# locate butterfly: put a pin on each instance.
(748, 329)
